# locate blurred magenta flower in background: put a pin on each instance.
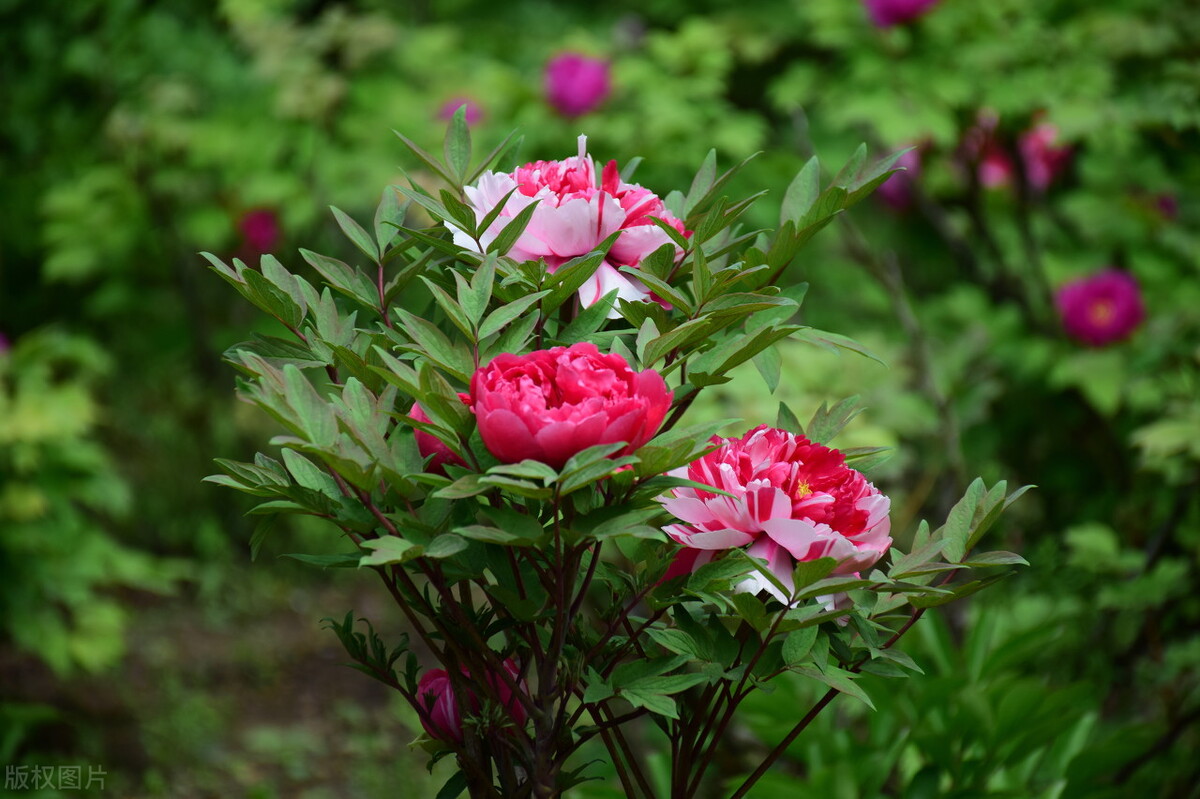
(886, 13)
(1102, 308)
(1043, 160)
(576, 84)
(898, 190)
(260, 230)
(473, 115)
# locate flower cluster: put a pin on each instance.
(577, 209)
(786, 499)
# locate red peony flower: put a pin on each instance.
(428, 444)
(886, 13)
(576, 84)
(550, 404)
(792, 501)
(435, 692)
(1100, 309)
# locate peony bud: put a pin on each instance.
(428, 444)
(436, 693)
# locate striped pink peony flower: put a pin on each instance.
(577, 209)
(792, 501)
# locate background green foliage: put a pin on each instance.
(138, 134)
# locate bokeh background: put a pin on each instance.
(1055, 140)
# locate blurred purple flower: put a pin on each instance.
(1100, 309)
(4, 345)
(886, 13)
(260, 230)
(898, 191)
(576, 84)
(472, 116)
(1167, 205)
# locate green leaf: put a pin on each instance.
(505, 314)
(810, 571)
(676, 641)
(444, 546)
(958, 524)
(655, 703)
(457, 144)
(261, 530)
(315, 414)
(770, 365)
(995, 559)
(388, 549)
(356, 234)
(389, 215)
(341, 278)
(826, 423)
(458, 780)
(798, 644)
(801, 193)
(342, 560)
(834, 341)
(508, 236)
(839, 680)
(702, 183)
(786, 420)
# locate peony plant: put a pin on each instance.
(493, 410)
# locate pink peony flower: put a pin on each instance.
(1043, 161)
(435, 692)
(473, 113)
(792, 501)
(260, 230)
(898, 190)
(886, 13)
(428, 444)
(1100, 309)
(577, 209)
(550, 404)
(576, 84)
